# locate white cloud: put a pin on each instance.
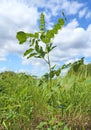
(71, 7)
(85, 12)
(72, 42)
(72, 24)
(82, 12)
(15, 16)
(2, 54)
(39, 65)
(88, 15)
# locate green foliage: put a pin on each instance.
(28, 51)
(79, 68)
(26, 105)
(42, 23)
(45, 36)
(76, 65)
(21, 36)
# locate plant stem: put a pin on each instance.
(49, 66)
(50, 79)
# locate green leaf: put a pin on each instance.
(36, 35)
(61, 21)
(5, 125)
(47, 40)
(58, 72)
(50, 34)
(21, 36)
(52, 74)
(42, 23)
(28, 51)
(38, 56)
(40, 126)
(53, 67)
(44, 38)
(55, 31)
(42, 35)
(40, 49)
(33, 41)
(42, 28)
(37, 46)
(31, 55)
(57, 26)
(53, 47)
(64, 16)
(46, 76)
(42, 53)
(49, 47)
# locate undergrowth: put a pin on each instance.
(25, 102)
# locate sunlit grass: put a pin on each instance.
(26, 105)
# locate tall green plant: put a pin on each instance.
(37, 50)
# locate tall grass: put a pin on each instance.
(26, 105)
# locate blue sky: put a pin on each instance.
(73, 41)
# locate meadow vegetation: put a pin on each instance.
(25, 102)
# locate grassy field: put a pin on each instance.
(26, 103)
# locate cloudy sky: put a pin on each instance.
(73, 41)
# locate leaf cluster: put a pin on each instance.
(55, 72)
(35, 49)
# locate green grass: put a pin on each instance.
(25, 104)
